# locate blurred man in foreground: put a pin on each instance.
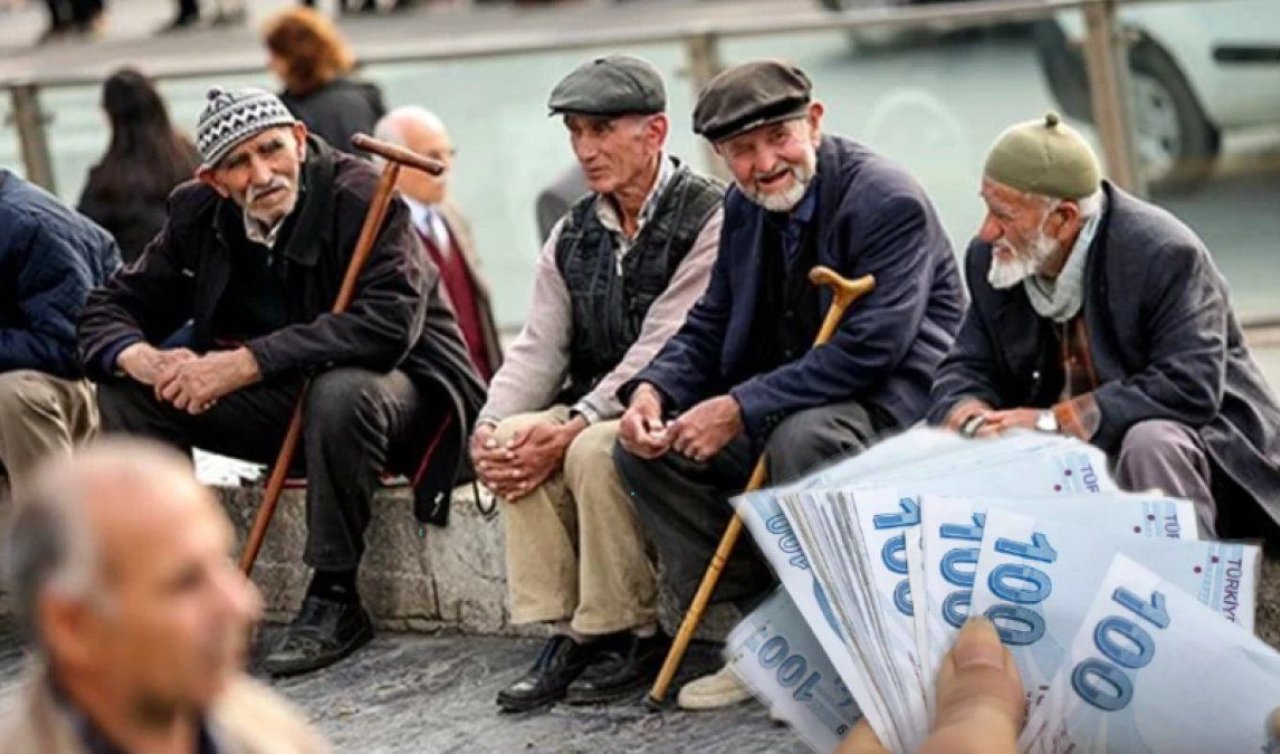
(120, 569)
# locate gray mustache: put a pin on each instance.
(275, 183)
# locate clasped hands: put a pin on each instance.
(190, 382)
(513, 469)
(990, 422)
(698, 433)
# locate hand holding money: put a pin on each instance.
(980, 700)
(1129, 635)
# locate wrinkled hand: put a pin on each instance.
(146, 363)
(999, 422)
(491, 461)
(642, 432)
(196, 384)
(980, 700)
(705, 429)
(524, 463)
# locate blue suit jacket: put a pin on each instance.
(872, 218)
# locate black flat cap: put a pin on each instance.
(612, 85)
(751, 95)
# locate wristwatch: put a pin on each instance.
(1046, 421)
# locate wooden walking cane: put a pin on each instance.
(395, 157)
(843, 293)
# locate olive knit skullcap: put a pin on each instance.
(1045, 157)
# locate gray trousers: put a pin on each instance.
(683, 504)
(355, 421)
(1168, 456)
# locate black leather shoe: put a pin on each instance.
(324, 632)
(627, 665)
(561, 661)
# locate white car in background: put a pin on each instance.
(1199, 69)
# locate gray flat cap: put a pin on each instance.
(751, 95)
(612, 85)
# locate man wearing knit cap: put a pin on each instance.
(740, 376)
(1098, 315)
(209, 339)
(613, 282)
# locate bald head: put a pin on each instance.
(419, 130)
(120, 567)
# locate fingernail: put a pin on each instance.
(978, 644)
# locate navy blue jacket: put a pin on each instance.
(873, 218)
(50, 258)
(1163, 341)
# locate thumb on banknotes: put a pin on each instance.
(980, 699)
(861, 740)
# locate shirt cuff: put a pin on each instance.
(1079, 416)
(112, 354)
(584, 409)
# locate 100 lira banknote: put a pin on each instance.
(1153, 671)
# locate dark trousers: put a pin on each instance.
(354, 422)
(683, 505)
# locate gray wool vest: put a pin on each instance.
(609, 304)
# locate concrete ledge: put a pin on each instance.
(452, 578)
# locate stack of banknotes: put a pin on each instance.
(1131, 633)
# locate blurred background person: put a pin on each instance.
(127, 191)
(139, 619)
(189, 16)
(554, 201)
(73, 18)
(313, 62)
(444, 232)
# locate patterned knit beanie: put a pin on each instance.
(231, 116)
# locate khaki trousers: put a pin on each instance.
(40, 415)
(575, 549)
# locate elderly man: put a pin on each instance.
(252, 256)
(50, 257)
(1098, 315)
(120, 570)
(614, 280)
(445, 235)
(740, 377)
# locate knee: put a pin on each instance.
(340, 396)
(508, 427)
(591, 452)
(25, 392)
(1156, 440)
(802, 438)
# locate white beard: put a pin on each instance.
(785, 201)
(1003, 275)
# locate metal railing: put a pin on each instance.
(1104, 54)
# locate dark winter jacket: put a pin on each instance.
(50, 258)
(872, 218)
(398, 319)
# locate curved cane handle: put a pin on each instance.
(843, 293)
